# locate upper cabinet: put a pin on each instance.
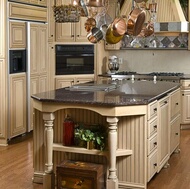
(17, 33)
(70, 31)
(2, 30)
(33, 2)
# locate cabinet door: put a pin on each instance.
(174, 134)
(42, 49)
(65, 32)
(185, 100)
(3, 112)
(17, 104)
(163, 132)
(17, 37)
(175, 104)
(34, 88)
(38, 49)
(80, 35)
(3, 22)
(34, 49)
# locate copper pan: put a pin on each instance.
(135, 21)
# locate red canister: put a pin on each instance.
(68, 131)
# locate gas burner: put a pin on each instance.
(166, 74)
(126, 73)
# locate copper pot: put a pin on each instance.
(119, 26)
(110, 37)
(135, 21)
(95, 35)
(95, 3)
(89, 24)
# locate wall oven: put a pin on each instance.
(74, 59)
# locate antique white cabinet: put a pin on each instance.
(67, 81)
(17, 108)
(17, 34)
(175, 119)
(152, 140)
(3, 74)
(163, 132)
(70, 32)
(38, 63)
(185, 101)
(33, 2)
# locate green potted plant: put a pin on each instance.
(93, 139)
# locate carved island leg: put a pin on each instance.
(48, 176)
(112, 181)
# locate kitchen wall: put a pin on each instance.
(144, 61)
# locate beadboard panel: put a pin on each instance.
(131, 135)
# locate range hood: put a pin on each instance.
(170, 16)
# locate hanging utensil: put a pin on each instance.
(81, 2)
(95, 35)
(89, 24)
(95, 3)
(135, 21)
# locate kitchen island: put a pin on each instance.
(127, 108)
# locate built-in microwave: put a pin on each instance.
(74, 59)
(17, 61)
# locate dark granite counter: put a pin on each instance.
(124, 93)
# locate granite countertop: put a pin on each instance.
(121, 93)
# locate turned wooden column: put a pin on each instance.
(112, 181)
(48, 176)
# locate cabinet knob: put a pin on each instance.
(155, 164)
(72, 35)
(177, 103)
(155, 109)
(165, 102)
(155, 143)
(182, 94)
(77, 35)
(176, 133)
(155, 126)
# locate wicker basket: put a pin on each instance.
(67, 13)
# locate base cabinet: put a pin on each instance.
(163, 132)
(175, 120)
(17, 107)
(67, 81)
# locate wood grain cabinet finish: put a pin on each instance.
(17, 104)
(175, 119)
(185, 101)
(163, 132)
(152, 140)
(67, 81)
(17, 37)
(70, 32)
(39, 65)
(3, 99)
(33, 2)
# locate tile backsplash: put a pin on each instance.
(156, 41)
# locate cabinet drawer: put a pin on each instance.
(152, 144)
(152, 110)
(175, 103)
(152, 127)
(152, 165)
